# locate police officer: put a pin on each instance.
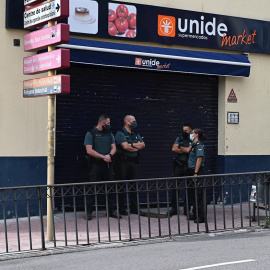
(195, 168)
(181, 146)
(100, 145)
(129, 143)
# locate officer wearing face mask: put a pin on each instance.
(181, 147)
(100, 146)
(195, 168)
(129, 143)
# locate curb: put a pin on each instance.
(81, 248)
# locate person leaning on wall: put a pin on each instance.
(195, 168)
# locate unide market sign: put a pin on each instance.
(201, 30)
(164, 26)
(51, 11)
(176, 27)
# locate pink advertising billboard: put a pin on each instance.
(57, 59)
(40, 39)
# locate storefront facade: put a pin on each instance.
(164, 78)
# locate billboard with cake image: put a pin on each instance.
(122, 20)
(83, 16)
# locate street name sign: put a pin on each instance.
(54, 35)
(53, 85)
(51, 11)
(57, 59)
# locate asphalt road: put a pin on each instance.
(234, 250)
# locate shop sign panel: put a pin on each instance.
(40, 39)
(137, 22)
(146, 23)
(57, 59)
(51, 11)
(53, 85)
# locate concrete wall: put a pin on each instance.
(253, 95)
(23, 122)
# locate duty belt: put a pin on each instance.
(180, 162)
(99, 161)
(129, 158)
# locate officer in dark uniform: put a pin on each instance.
(195, 168)
(129, 143)
(100, 145)
(181, 146)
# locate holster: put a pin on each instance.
(177, 162)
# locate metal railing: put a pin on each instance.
(23, 219)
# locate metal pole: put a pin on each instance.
(50, 157)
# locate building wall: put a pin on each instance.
(23, 122)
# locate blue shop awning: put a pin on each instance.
(155, 58)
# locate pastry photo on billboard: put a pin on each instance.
(122, 20)
(83, 16)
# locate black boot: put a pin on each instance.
(172, 212)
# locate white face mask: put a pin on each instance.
(191, 137)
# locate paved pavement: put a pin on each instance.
(102, 229)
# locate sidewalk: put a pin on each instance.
(103, 229)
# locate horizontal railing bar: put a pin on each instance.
(135, 180)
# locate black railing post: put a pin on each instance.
(117, 209)
(240, 200)
(5, 220)
(64, 214)
(17, 220)
(214, 202)
(168, 208)
(138, 207)
(28, 219)
(41, 219)
(51, 192)
(205, 205)
(231, 195)
(148, 208)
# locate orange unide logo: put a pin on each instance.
(138, 61)
(166, 26)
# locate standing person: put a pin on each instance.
(100, 145)
(195, 168)
(129, 143)
(181, 146)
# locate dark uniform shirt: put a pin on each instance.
(181, 141)
(100, 140)
(124, 136)
(197, 150)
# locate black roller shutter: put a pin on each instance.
(160, 101)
